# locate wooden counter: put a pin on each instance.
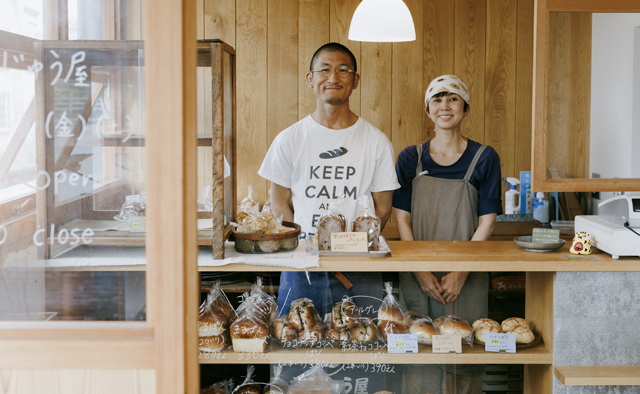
(463, 256)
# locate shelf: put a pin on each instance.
(599, 375)
(496, 256)
(121, 140)
(470, 355)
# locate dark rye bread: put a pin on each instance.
(335, 223)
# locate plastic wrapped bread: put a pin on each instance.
(368, 223)
(390, 315)
(331, 221)
(248, 386)
(453, 325)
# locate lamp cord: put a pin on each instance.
(626, 224)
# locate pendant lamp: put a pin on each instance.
(382, 21)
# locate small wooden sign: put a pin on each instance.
(349, 242)
(446, 344)
(402, 343)
(495, 342)
(543, 235)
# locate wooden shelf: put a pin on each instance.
(116, 140)
(599, 375)
(491, 256)
(470, 355)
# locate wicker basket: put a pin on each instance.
(268, 243)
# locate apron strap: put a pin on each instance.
(419, 165)
(472, 166)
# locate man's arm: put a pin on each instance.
(382, 201)
(280, 197)
(403, 223)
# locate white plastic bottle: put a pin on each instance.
(512, 196)
(541, 208)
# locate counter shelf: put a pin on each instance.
(334, 355)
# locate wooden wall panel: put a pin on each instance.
(470, 61)
(313, 32)
(282, 74)
(568, 87)
(66, 381)
(439, 45)
(340, 19)
(220, 20)
(488, 43)
(500, 77)
(524, 87)
(406, 85)
(251, 98)
(375, 85)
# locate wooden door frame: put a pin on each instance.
(539, 179)
(167, 341)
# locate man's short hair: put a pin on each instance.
(334, 47)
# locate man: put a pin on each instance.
(330, 153)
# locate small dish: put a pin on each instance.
(525, 243)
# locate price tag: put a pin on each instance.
(542, 235)
(349, 242)
(446, 344)
(138, 224)
(402, 343)
(495, 342)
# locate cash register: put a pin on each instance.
(616, 229)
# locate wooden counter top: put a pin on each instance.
(463, 256)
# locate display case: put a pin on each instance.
(91, 144)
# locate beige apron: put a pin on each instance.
(446, 210)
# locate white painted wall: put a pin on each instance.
(615, 135)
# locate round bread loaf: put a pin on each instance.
(455, 327)
(481, 331)
(439, 321)
(364, 332)
(223, 304)
(390, 313)
(211, 344)
(513, 322)
(344, 315)
(336, 336)
(424, 330)
(410, 317)
(523, 334)
(212, 324)
(387, 327)
(246, 327)
(311, 337)
(486, 323)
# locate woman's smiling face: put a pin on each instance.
(446, 110)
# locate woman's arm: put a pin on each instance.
(485, 227)
(403, 223)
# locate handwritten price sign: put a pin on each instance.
(349, 242)
(500, 342)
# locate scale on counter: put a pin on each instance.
(616, 230)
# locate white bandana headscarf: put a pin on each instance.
(447, 83)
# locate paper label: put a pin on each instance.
(495, 342)
(138, 224)
(349, 242)
(402, 343)
(543, 235)
(446, 343)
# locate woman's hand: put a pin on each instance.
(451, 285)
(429, 285)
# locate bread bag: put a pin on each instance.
(453, 325)
(390, 315)
(331, 221)
(316, 381)
(248, 386)
(276, 385)
(368, 223)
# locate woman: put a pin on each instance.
(450, 190)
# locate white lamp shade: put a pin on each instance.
(382, 21)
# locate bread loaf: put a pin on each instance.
(370, 225)
(387, 327)
(481, 331)
(523, 334)
(333, 223)
(425, 330)
(513, 322)
(486, 323)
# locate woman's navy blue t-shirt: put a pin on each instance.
(486, 177)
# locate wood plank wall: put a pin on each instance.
(488, 43)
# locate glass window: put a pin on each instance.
(72, 191)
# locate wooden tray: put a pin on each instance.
(536, 340)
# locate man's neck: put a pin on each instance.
(336, 117)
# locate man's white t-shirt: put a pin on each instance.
(320, 164)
